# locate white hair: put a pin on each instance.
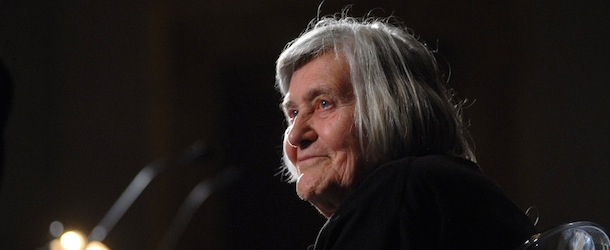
(403, 106)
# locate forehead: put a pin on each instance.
(325, 74)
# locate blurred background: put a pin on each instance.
(102, 88)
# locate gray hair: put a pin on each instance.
(403, 106)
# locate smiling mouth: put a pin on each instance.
(308, 162)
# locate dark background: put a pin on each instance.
(102, 88)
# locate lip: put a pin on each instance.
(307, 157)
(308, 161)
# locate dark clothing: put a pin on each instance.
(430, 202)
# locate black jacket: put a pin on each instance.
(430, 202)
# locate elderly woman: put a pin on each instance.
(376, 144)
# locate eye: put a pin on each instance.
(292, 114)
(324, 104)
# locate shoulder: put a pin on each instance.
(464, 203)
(432, 168)
(430, 183)
(424, 174)
(417, 201)
(447, 178)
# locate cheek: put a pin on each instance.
(341, 134)
(346, 145)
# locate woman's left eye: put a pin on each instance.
(324, 104)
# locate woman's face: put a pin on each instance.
(320, 140)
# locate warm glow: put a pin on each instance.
(55, 245)
(72, 240)
(96, 245)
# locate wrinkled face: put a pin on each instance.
(320, 140)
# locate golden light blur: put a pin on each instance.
(72, 240)
(75, 240)
(96, 245)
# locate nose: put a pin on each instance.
(300, 133)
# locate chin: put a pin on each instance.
(306, 188)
